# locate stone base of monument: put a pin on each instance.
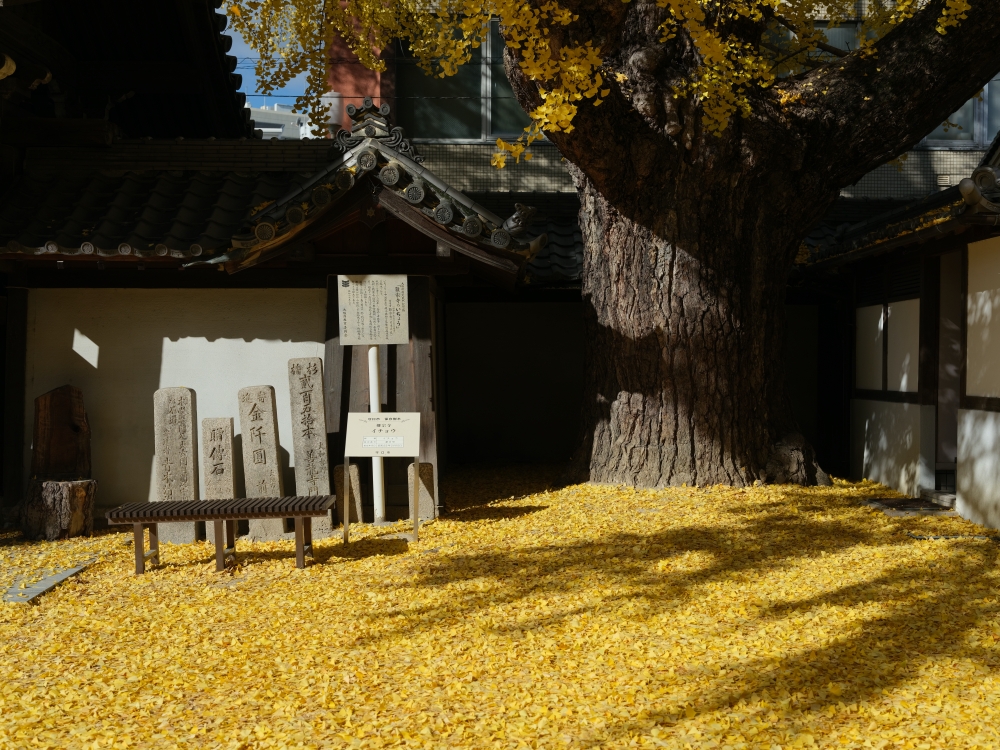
(57, 510)
(178, 533)
(275, 529)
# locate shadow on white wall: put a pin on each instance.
(886, 443)
(215, 341)
(978, 474)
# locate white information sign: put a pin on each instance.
(385, 434)
(373, 310)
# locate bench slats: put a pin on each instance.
(220, 510)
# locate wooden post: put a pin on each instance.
(154, 544)
(307, 525)
(347, 498)
(300, 542)
(139, 547)
(220, 548)
(422, 373)
(415, 498)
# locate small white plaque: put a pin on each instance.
(385, 434)
(374, 309)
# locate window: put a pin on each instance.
(887, 334)
(974, 125)
(476, 104)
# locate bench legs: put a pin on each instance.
(303, 540)
(139, 545)
(220, 547)
(224, 547)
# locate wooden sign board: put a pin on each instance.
(384, 435)
(374, 309)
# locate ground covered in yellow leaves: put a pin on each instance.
(528, 616)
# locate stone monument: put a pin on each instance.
(261, 464)
(176, 443)
(312, 465)
(217, 462)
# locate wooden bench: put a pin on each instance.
(221, 512)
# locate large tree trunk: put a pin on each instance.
(685, 370)
(690, 234)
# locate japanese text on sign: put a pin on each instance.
(385, 434)
(373, 309)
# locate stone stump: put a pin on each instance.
(58, 510)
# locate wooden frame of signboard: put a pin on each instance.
(383, 435)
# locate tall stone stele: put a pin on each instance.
(217, 463)
(176, 442)
(312, 464)
(261, 464)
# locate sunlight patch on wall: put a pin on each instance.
(85, 347)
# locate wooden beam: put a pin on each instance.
(422, 373)
(505, 261)
(14, 385)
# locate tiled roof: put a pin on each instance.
(882, 230)
(242, 202)
(561, 260)
(145, 213)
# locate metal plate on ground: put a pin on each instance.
(36, 589)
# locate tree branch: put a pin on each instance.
(867, 108)
(819, 45)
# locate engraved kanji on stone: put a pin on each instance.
(259, 425)
(305, 385)
(217, 436)
(175, 445)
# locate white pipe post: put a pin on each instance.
(375, 407)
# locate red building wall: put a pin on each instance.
(353, 81)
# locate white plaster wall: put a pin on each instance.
(886, 445)
(868, 348)
(903, 347)
(983, 336)
(130, 342)
(978, 472)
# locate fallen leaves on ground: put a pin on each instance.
(584, 616)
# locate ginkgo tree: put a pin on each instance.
(705, 138)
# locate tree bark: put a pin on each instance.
(685, 370)
(58, 510)
(690, 236)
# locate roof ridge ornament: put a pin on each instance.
(373, 122)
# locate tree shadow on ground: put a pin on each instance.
(494, 512)
(361, 548)
(475, 485)
(933, 605)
